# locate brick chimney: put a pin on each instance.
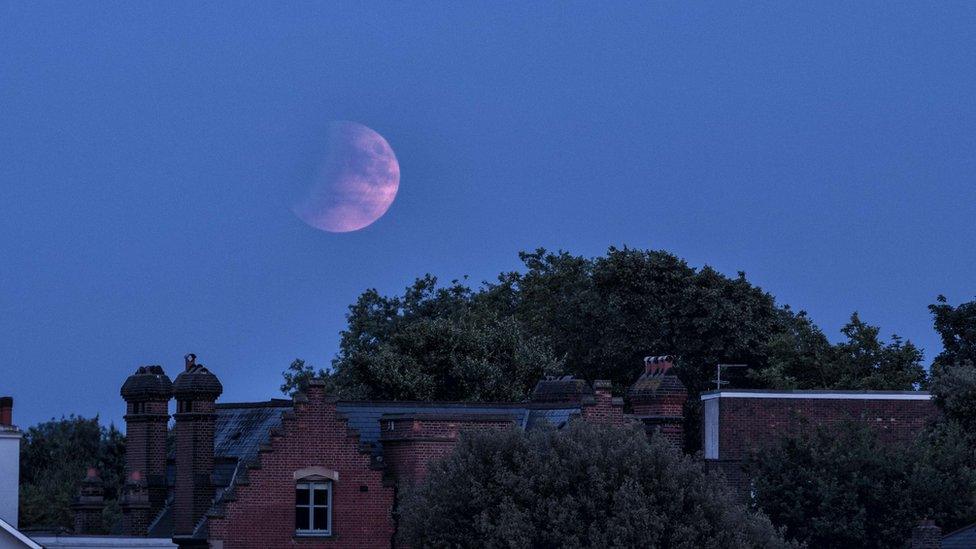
(6, 411)
(658, 397)
(926, 536)
(196, 390)
(88, 506)
(147, 393)
(135, 505)
(602, 407)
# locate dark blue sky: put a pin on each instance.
(148, 151)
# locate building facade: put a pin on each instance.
(315, 471)
(739, 422)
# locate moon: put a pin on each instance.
(355, 184)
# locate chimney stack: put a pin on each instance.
(6, 411)
(196, 391)
(147, 393)
(658, 398)
(135, 504)
(602, 407)
(926, 535)
(88, 505)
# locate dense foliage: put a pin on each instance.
(582, 486)
(54, 456)
(843, 488)
(803, 359)
(596, 318)
(957, 327)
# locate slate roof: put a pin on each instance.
(964, 538)
(649, 383)
(562, 389)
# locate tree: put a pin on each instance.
(437, 343)
(593, 318)
(54, 456)
(803, 359)
(954, 388)
(843, 488)
(582, 486)
(596, 318)
(957, 327)
(298, 375)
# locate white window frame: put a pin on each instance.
(314, 485)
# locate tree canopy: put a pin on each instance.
(803, 359)
(582, 486)
(54, 456)
(596, 318)
(593, 318)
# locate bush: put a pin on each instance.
(582, 486)
(844, 488)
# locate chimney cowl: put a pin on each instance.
(196, 382)
(658, 365)
(147, 383)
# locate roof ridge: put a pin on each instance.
(272, 403)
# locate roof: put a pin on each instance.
(101, 542)
(241, 429)
(364, 416)
(19, 536)
(649, 383)
(561, 389)
(963, 538)
(826, 395)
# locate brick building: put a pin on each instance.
(737, 422)
(315, 471)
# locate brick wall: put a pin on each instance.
(411, 442)
(746, 424)
(753, 423)
(262, 514)
(604, 409)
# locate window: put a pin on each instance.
(313, 508)
(184, 406)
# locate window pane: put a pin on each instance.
(301, 518)
(321, 495)
(301, 496)
(321, 518)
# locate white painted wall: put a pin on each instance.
(711, 428)
(9, 473)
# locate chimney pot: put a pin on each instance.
(658, 365)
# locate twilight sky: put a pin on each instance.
(148, 153)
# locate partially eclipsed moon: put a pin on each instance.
(356, 184)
